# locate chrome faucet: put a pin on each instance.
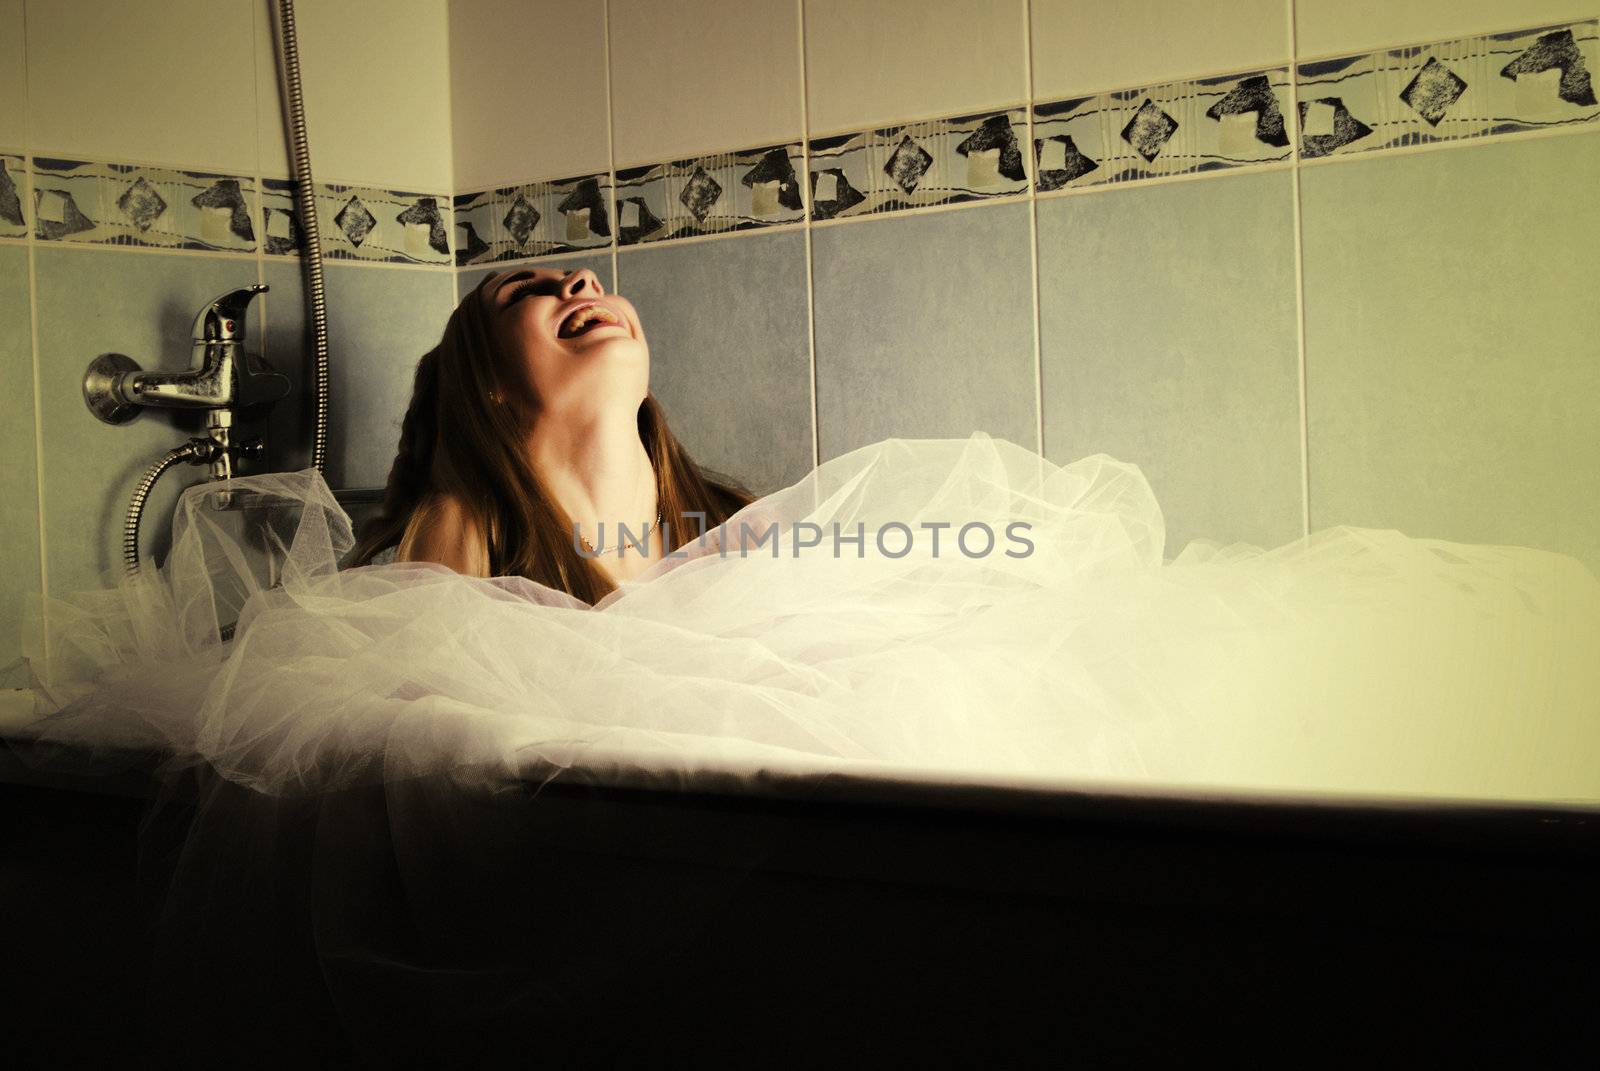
(221, 377)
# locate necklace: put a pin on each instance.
(643, 536)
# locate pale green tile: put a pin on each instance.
(726, 324)
(19, 489)
(924, 328)
(141, 304)
(1167, 331)
(380, 323)
(1453, 343)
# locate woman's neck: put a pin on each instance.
(599, 473)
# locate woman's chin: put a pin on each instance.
(621, 351)
(612, 370)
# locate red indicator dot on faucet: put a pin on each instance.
(227, 325)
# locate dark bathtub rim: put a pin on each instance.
(1564, 829)
(1559, 829)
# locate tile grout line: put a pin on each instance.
(449, 210)
(611, 148)
(241, 256)
(1386, 152)
(1030, 169)
(1025, 105)
(1576, 129)
(259, 212)
(1299, 269)
(1462, 35)
(1099, 187)
(1197, 76)
(31, 221)
(806, 223)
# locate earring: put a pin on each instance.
(494, 396)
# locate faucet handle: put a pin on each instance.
(258, 382)
(223, 319)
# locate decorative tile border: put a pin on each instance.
(95, 203)
(360, 223)
(389, 226)
(129, 204)
(1467, 88)
(915, 165)
(13, 196)
(1179, 128)
(733, 191)
(1495, 84)
(281, 233)
(534, 219)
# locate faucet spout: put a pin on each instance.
(208, 384)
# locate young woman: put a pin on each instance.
(532, 436)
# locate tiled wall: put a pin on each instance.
(144, 174)
(1306, 262)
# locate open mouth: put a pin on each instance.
(586, 319)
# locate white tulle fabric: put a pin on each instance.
(1355, 661)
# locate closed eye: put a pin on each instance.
(527, 286)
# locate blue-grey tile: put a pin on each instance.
(380, 322)
(143, 305)
(19, 489)
(599, 263)
(1168, 340)
(726, 323)
(1453, 372)
(924, 328)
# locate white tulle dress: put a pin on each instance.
(1354, 661)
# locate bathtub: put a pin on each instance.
(889, 918)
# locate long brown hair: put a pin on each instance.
(455, 441)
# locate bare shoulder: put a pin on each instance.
(444, 530)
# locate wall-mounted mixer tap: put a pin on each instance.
(221, 377)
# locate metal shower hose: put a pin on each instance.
(306, 208)
(311, 236)
(130, 526)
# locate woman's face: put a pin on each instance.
(554, 368)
